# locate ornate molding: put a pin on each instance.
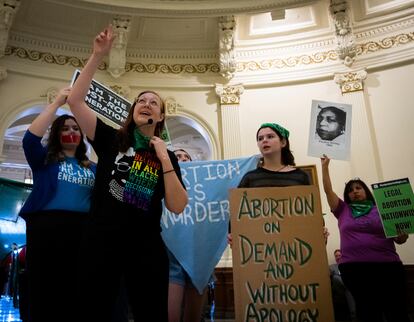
(394, 28)
(352, 81)
(202, 68)
(289, 62)
(172, 69)
(171, 105)
(345, 38)
(35, 55)
(272, 52)
(8, 9)
(117, 56)
(229, 95)
(227, 29)
(386, 43)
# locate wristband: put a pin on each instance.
(165, 172)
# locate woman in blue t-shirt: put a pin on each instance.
(55, 211)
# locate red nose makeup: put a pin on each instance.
(71, 138)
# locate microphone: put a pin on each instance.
(149, 122)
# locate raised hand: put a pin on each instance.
(62, 96)
(325, 161)
(102, 43)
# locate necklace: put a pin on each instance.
(281, 168)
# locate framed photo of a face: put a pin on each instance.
(330, 130)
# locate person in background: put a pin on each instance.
(55, 212)
(182, 155)
(10, 267)
(23, 289)
(184, 301)
(14, 275)
(370, 266)
(330, 123)
(135, 173)
(344, 304)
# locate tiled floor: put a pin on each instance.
(7, 312)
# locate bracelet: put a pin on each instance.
(165, 172)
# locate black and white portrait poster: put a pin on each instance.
(330, 130)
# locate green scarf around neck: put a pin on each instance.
(141, 140)
(361, 208)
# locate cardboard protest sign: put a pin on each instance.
(105, 101)
(395, 203)
(280, 267)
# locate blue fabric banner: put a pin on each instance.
(198, 236)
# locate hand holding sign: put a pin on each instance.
(401, 238)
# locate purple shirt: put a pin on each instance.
(363, 238)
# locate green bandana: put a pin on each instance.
(361, 208)
(276, 127)
(141, 141)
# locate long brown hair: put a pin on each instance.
(54, 146)
(126, 132)
(287, 157)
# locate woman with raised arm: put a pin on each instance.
(55, 212)
(370, 266)
(135, 172)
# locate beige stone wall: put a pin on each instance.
(387, 102)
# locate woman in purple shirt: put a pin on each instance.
(370, 266)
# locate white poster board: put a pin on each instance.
(330, 130)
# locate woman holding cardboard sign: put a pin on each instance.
(276, 167)
(370, 266)
(277, 164)
(135, 172)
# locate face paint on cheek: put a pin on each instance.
(70, 138)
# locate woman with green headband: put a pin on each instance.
(276, 167)
(277, 164)
(370, 266)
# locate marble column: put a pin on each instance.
(230, 136)
(230, 122)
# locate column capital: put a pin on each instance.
(352, 81)
(230, 94)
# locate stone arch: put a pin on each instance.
(192, 120)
